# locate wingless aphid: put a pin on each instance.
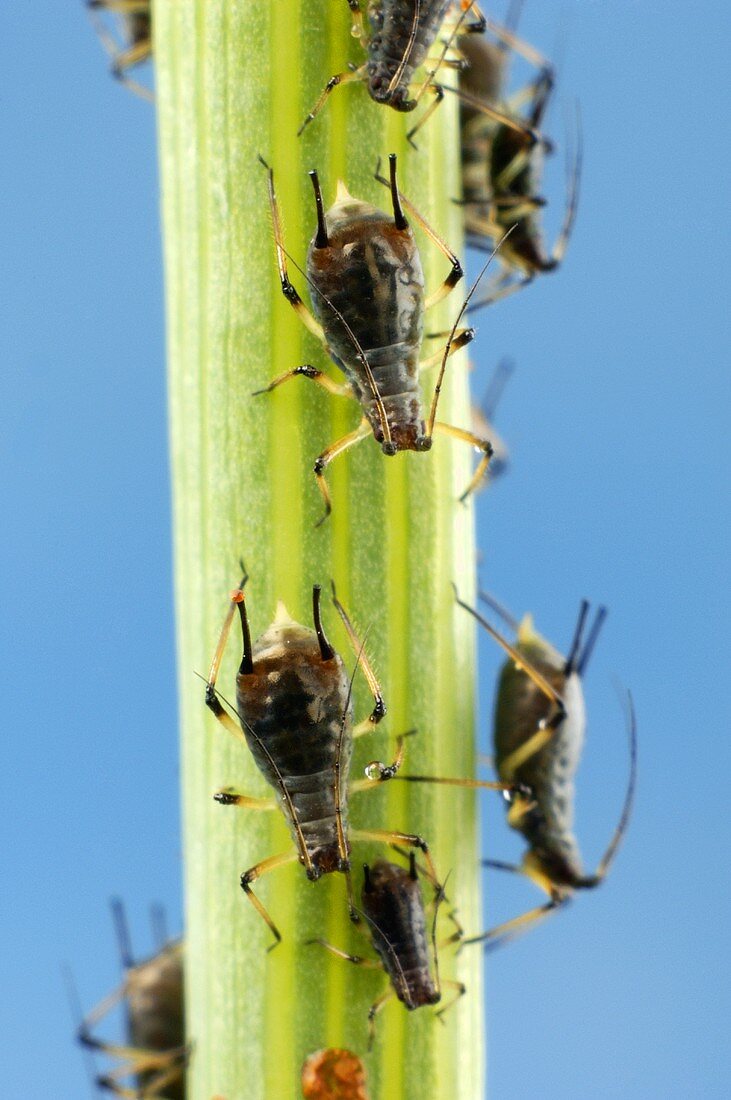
(155, 1054)
(501, 164)
(368, 303)
(394, 910)
(402, 32)
(293, 701)
(539, 727)
(136, 20)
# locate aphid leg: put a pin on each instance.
(394, 839)
(460, 339)
(288, 289)
(143, 1062)
(456, 273)
(519, 45)
(472, 784)
(357, 28)
(123, 59)
(212, 700)
(230, 797)
(379, 705)
(373, 1012)
(306, 371)
(256, 872)
(333, 82)
(323, 461)
(459, 991)
(572, 200)
(503, 933)
(475, 441)
(357, 960)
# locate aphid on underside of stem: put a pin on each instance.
(136, 22)
(501, 164)
(368, 303)
(155, 1054)
(394, 910)
(294, 705)
(402, 32)
(539, 727)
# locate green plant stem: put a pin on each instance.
(234, 81)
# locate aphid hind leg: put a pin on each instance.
(256, 872)
(388, 836)
(338, 389)
(356, 960)
(373, 1012)
(503, 933)
(323, 461)
(475, 441)
(379, 705)
(460, 339)
(334, 82)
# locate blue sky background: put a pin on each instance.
(617, 418)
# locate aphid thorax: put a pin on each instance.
(392, 902)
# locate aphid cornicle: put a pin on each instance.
(136, 22)
(501, 164)
(368, 299)
(539, 727)
(293, 701)
(402, 32)
(394, 910)
(155, 1054)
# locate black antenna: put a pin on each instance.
(121, 929)
(570, 664)
(583, 659)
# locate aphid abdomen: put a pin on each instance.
(393, 904)
(296, 712)
(524, 242)
(392, 25)
(520, 709)
(155, 1012)
(139, 27)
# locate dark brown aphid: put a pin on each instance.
(402, 32)
(394, 910)
(540, 721)
(334, 1074)
(293, 701)
(502, 163)
(364, 268)
(155, 1053)
(136, 24)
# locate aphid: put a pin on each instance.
(136, 21)
(368, 306)
(155, 1054)
(293, 701)
(402, 32)
(539, 727)
(334, 1074)
(483, 418)
(502, 164)
(394, 910)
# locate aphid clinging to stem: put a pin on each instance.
(155, 1053)
(368, 303)
(539, 727)
(136, 19)
(294, 705)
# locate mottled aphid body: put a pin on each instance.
(155, 1054)
(370, 261)
(136, 23)
(402, 33)
(367, 284)
(539, 726)
(293, 701)
(392, 902)
(502, 160)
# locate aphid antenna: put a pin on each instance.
(448, 346)
(385, 428)
(538, 679)
(574, 168)
(507, 616)
(379, 707)
(158, 924)
(280, 779)
(571, 661)
(395, 79)
(77, 1015)
(496, 386)
(582, 659)
(433, 72)
(629, 798)
(121, 929)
